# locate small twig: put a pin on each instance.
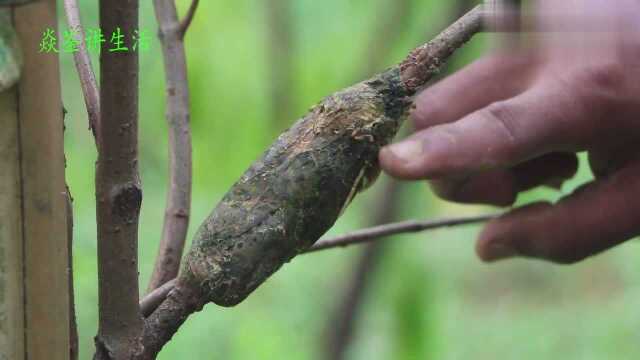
(378, 232)
(73, 323)
(369, 235)
(176, 219)
(188, 18)
(86, 74)
(153, 299)
(424, 62)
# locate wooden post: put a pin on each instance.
(11, 255)
(34, 293)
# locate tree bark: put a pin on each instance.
(84, 68)
(176, 217)
(339, 337)
(118, 190)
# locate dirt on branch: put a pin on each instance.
(291, 196)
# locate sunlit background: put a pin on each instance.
(429, 297)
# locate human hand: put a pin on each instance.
(515, 120)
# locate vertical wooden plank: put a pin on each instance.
(46, 260)
(11, 256)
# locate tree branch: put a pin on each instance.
(424, 62)
(340, 327)
(153, 299)
(297, 190)
(118, 190)
(176, 218)
(382, 231)
(364, 236)
(188, 18)
(85, 70)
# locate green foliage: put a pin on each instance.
(10, 56)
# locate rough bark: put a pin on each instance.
(118, 190)
(294, 194)
(152, 300)
(176, 218)
(340, 336)
(340, 328)
(297, 190)
(291, 196)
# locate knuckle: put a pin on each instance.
(503, 117)
(600, 87)
(428, 114)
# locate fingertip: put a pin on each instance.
(403, 159)
(494, 243)
(508, 235)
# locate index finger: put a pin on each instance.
(544, 119)
(473, 88)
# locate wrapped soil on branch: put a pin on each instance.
(291, 196)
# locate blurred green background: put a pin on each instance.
(430, 297)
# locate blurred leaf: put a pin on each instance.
(413, 337)
(10, 61)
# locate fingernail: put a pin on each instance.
(498, 250)
(406, 151)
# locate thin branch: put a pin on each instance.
(188, 18)
(378, 232)
(73, 323)
(176, 218)
(82, 60)
(118, 190)
(369, 235)
(153, 299)
(424, 62)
